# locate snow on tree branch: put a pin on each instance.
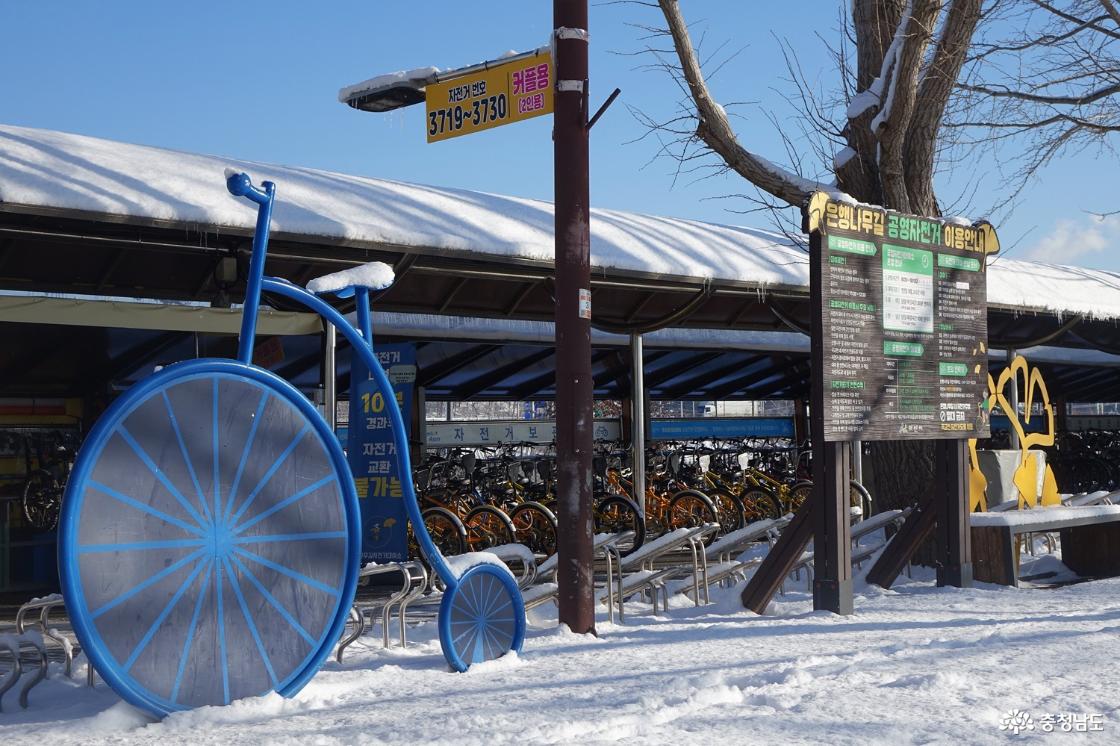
(715, 131)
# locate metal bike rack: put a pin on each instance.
(414, 584)
(44, 606)
(421, 587)
(13, 644)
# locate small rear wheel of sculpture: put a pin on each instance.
(482, 617)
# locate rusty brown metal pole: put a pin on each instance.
(574, 387)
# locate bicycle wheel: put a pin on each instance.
(535, 526)
(615, 514)
(731, 512)
(482, 617)
(209, 541)
(798, 494)
(760, 505)
(447, 531)
(860, 498)
(488, 526)
(690, 508)
(41, 500)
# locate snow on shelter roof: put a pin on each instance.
(56, 170)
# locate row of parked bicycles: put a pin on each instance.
(477, 498)
(482, 497)
(1086, 461)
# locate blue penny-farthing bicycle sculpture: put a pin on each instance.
(210, 537)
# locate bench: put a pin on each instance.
(1090, 540)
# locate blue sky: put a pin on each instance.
(260, 81)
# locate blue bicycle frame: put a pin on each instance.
(360, 339)
(482, 614)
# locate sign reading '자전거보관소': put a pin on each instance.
(501, 94)
(904, 322)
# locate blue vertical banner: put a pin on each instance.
(372, 452)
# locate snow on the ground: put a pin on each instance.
(914, 664)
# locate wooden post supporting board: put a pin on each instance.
(954, 542)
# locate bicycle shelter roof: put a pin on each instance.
(96, 217)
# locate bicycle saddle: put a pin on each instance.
(374, 276)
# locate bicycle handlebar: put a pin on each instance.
(240, 185)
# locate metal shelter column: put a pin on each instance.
(638, 421)
(574, 384)
(1011, 353)
(330, 379)
(857, 461)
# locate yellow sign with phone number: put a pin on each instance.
(505, 93)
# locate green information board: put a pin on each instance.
(903, 323)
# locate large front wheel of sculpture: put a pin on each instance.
(208, 541)
(481, 617)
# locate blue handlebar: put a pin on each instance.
(240, 185)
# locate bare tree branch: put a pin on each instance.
(1112, 10)
(714, 129)
(924, 88)
(1047, 82)
(1081, 100)
(1070, 17)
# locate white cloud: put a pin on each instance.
(1072, 241)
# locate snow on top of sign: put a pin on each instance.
(419, 76)
(49, 169)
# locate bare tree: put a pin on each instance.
(1042, 79)
(898, 82)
